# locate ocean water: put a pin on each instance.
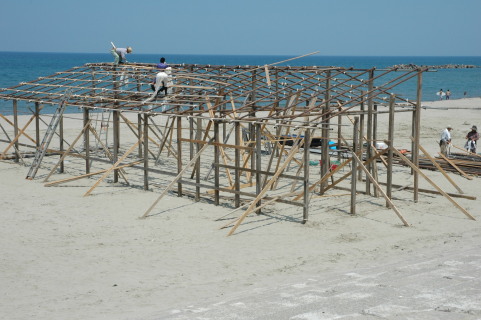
(16, 67)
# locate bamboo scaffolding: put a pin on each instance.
(271, 103)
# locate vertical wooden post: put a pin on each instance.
(116, 140)
(416, 131)
(252, 129)
(237, 161)
(146, 150)
(390, 151)
(191, 137)
(61, 146)
(116, 123)
(374, 141)
(307, 145)
(197, 163)
(369, 150)
(139, 131)
(179, 154)
(37, 124)
(339, 134)
(355, 137)
(253, 96)
(360, 144)
(278, 130)
(325, 162)
(15, 129)
(258, 163)
(216, 162)
(86, 140)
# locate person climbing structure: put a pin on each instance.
(120, 54)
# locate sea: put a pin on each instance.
(16, 67)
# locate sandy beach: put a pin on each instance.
(65, 256)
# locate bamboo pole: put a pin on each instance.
(114, 167)
(146, 150)
(455, 166)
(174, 181)
(325, 160)
(258, 162)
(179, 154)
(216, 164)
(265, 188)
(374, 182)
(390, 152)
(86, 118)
(17, 135)
(25, 134)
(64, 155)
(467, 152)
(369, 139)
(416, 134)
(439, 168)
(406, 160)
(355, 164)
(116, 143)
(89, 174)
(237, 173)
(307, 145)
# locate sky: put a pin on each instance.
(245, 27)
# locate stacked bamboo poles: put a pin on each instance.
(459, 163)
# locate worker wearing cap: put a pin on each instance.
(120, 54)
(473, 137)
(445, 140)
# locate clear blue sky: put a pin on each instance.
(271, 27)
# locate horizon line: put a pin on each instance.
(230, 54)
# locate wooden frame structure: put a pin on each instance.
(225, 130)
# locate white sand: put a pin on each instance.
(65, 256)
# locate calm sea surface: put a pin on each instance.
(16, 67)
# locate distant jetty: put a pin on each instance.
(442, 66)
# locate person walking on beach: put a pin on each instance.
(473, 137)
(448, 94)
(120, 54)
(445, 140)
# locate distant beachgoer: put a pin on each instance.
(473, 137)
(465, 94)
(445, 140)
(120, 54)
(441, 94)
(448, 94)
